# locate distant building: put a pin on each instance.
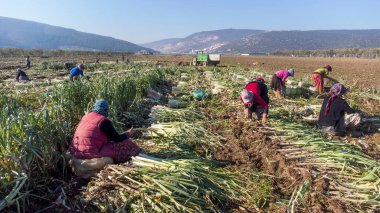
(144, 52)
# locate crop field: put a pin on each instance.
(200, 155)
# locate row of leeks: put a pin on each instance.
(354, 176)
(160, 114)
(184, 136)
(157, 185)
(30, 145)
(181, 130)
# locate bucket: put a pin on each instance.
(199, 94)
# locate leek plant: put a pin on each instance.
(156, 185)
(161, 114)
(188, 137)
(354, 176)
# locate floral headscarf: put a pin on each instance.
(336, 90)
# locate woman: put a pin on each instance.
(76, 72)
(318, 76)
(95, 137)
(21, 75)
(336, 116)
(255, 99)
(278, 81)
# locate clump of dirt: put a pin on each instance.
(232, 151)
(372, 145)
(369, 105)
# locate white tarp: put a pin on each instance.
(214, 57)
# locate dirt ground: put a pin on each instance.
(364, 71)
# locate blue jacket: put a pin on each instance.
(76, 71)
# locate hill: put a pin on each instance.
(259, 41)
(15, 33)
(207, 40)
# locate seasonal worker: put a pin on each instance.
(27, 62)
(21, 75)
(95, 137)
(336, 116)
(278, 82)
(318, 75)
(255, 99)
(76, 72)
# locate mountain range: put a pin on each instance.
(15, 33)
(235, 41)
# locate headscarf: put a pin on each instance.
(261, 79)
(291, 72)
(101, 107)
(246, 96)
(337, 90)
(328, 68)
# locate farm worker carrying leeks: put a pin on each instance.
(318, 76)
(76, 72)
(255, 99)
(95, 137)
(21, 75)
(336, 116)
(278, 81)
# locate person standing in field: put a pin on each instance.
(318, 77)
(278, 82)
(255, 99)
(76, 72)
(336, 116)
(27, 62)
(96, 137)
(21, 75)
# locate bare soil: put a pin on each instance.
(364, 71)
(250, 145)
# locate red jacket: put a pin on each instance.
(89, 141)
(255, 89)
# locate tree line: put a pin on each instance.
(339, 53)
(16, 52)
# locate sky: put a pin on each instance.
(142, 21)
